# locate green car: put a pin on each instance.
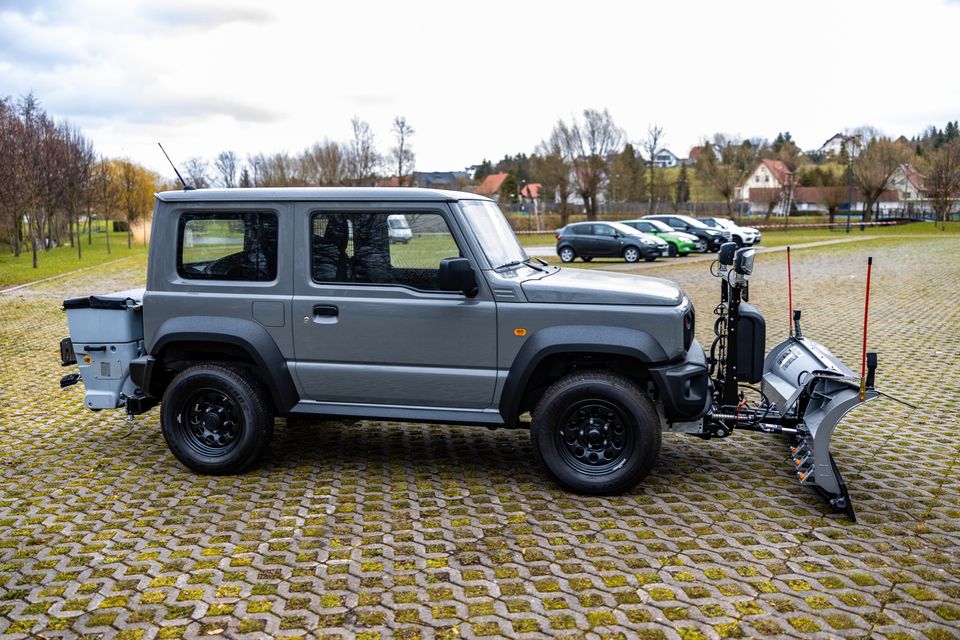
(680, 243)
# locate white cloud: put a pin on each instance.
(475, 80)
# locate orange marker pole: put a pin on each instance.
(866, 313)
(789, 296)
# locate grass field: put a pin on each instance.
(60, 260)
(19, 270)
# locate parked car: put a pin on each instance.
(713, 237)
(681, 243)
(589, 240)
(743, 236)
(399, 229)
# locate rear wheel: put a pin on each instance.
(587, 259)
(216, 420)
(631, 254)
(596, 433)
(567, 254)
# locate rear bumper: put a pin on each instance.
(684, 387)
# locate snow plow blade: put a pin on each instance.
(808, 384)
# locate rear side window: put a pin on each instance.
(227, 246)
(380, 248)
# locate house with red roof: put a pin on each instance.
(908, 183)
(769, 174)
(490, 187)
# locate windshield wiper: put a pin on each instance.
(516, 263)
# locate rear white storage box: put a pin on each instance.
(106, 333)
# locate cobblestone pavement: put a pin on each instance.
(406, 530)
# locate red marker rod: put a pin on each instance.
(789, 296)
(866, 314)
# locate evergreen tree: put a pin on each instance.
(683, 186)
(510, 190)
(484, 169)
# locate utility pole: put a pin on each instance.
(849, 142)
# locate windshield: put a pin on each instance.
(661, 227)
(493, 232)
(624, 229)
(693, 222)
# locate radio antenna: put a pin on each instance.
(186, 187)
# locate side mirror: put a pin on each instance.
(725, 255)
(457, 275)
(743, 261)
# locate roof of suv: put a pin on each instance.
(378, 194)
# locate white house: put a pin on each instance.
(769, 174)
(665, 158)
(833, 146)
(908, 183)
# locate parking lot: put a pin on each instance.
(406, 530)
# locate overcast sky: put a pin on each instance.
(475, 79)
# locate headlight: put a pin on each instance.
(647, 241)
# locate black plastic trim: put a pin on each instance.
(632, 343)
(98, 302)
(141, 370)
(256, 342)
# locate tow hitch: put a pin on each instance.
(804, 389)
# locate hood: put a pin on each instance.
(683, 235)
(584, 286)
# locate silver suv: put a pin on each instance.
(286, 302)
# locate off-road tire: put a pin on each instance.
(631, 254)
(217, 420)
(568, 424)
(567, 254)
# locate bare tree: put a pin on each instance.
(324, 163)
(275, 170)
(588, 144)
(198, 172)
(402, 154)
(651, 144)
(79, 157)
(226, 167)
(942, 181)
(13, 194)
(363, 153)
(136, 194)
(553, 165)
(873, 168)
(719, 173)
(106, 189)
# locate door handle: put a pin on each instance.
(326, 310)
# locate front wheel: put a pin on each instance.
(567, 254)
(672, 250)
(596, 433)
(631, 254)
(216, 420)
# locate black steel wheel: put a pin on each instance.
(596, 433)
(216, 420)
